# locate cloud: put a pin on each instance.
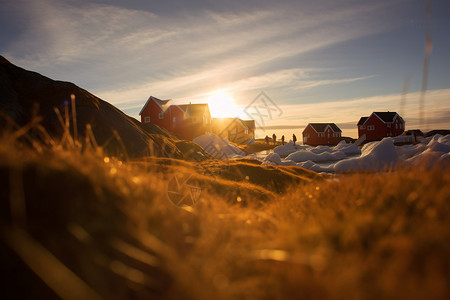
(124, 54)
(118, 52)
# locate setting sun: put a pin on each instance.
(222, 105)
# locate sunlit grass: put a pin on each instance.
(256, 232)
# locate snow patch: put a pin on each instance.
(286, 149)
(217, 146)
(374, 156)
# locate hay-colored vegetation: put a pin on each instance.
(80, 225)
(257, 146)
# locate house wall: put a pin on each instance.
(309, 136)
(251, 130)
(375, 128)
(186, 127)
(398, 127)
(362, 129)
(175, 120)
(312, 138)
(152, 110)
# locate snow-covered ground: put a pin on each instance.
(217, 146)
(374, 156)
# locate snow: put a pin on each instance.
(275, 159)
(349, 149)
(299, 153)
(217, 146)
(305, 155)
(288, 148)
(374, 156)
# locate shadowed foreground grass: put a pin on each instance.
(78, 225)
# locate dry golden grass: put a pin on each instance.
(257, 146)
(80, 225)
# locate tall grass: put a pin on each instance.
(76, 224)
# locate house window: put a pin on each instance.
(371, 127)
(161, 115)
(389, 125)
(246, 131)
(146, 119)
(396, 126)
(363, 127)
(174, 119)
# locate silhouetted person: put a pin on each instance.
(282, 139)
(294, 138)
(267, 140)
(274, 137)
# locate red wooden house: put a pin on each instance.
(186, 121)
(321, 134)
(380, 125)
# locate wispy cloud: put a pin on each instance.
(125, 54)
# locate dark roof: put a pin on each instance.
(387, 117)
(194, 109)
(320, 127)
(362, 120)
(160, 102)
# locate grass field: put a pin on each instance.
(80, 225)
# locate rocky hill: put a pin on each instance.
(26, 95)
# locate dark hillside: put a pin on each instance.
(25, 95)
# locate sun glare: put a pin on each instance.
(222, 105)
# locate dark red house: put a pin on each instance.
(186, 121)
(321, 134)
(380, 125)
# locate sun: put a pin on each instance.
(222, 105)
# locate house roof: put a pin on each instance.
(159, 102)
(362, 120)
(321, 127)
(194, 109)
(385, 116)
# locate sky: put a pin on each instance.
(314, 61)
